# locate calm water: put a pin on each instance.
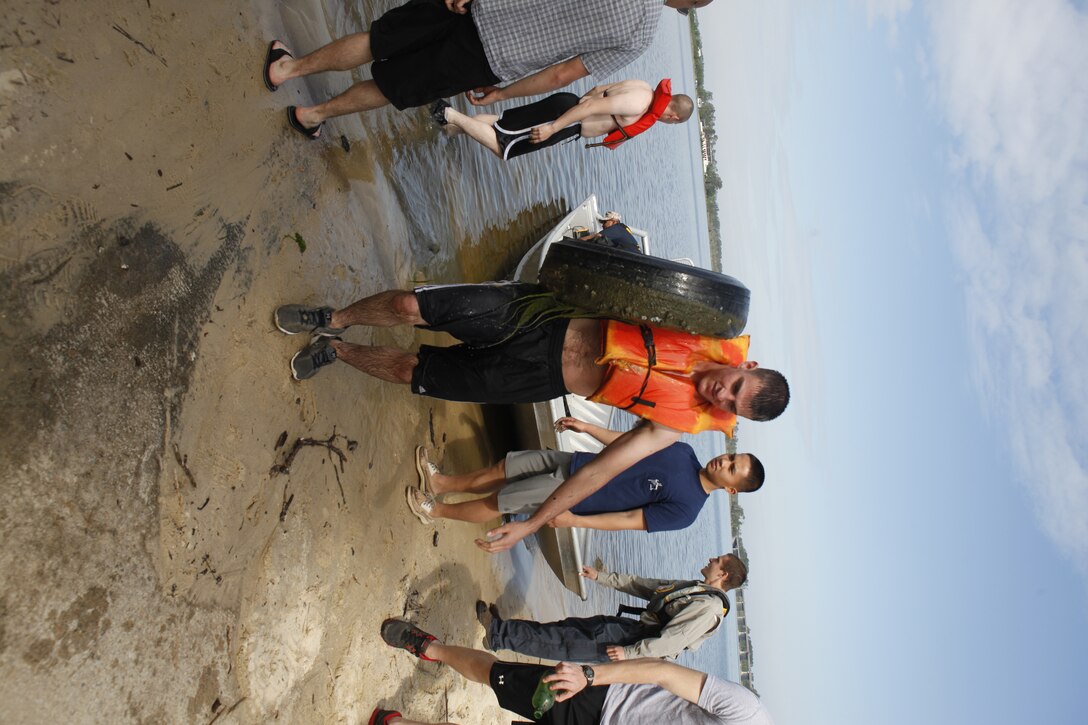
(471, 217)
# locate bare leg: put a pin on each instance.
(472, 664)
(452, 129)
(363, 96)
(390, 364)
(406, 721)
(474, 512)
(385, 309)
(348, 52)
(485, 480)
(477, 127)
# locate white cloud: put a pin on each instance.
(1009, 79)
(887, 11)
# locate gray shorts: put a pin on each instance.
(532, 476)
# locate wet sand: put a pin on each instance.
(155, 568)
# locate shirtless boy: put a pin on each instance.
(504, 358)
(562, 116)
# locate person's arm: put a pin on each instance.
(604, 435)
(550, 79)
(632, 520)
(685, 683)
(617, 457)
(623, 104)
(688, 627)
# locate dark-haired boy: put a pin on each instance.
(663, 492)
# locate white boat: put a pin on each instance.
(562, 548)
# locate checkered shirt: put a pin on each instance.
(521, 37)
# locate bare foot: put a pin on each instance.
(280, 70)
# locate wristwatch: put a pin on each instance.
(588, 672)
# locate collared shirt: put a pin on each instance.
(521, 37)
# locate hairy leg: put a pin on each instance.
(385, 309)
(390, 364)
(485, 480)
(363, 96)
(477, 128)
(348, 52)
(472, 664)
(474, 512)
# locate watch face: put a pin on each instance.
(588, 672)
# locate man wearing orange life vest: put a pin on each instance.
(621, 110)
(508, 355)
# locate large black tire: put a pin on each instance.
(640, 288)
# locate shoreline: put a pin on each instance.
(155, 569)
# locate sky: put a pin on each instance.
(906, 194)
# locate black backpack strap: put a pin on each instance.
(651, 360)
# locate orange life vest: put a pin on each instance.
(662, 96)
(663, 392)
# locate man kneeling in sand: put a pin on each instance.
(663, 492)
(680, 614)
(513, 352)
(622, 110)
(638, 692)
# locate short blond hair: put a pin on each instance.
(682, 106)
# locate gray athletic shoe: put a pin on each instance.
(294, 319)
(421, 504)
(313, 357)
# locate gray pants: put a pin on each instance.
(574, 639)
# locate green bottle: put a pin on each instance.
(543, 697)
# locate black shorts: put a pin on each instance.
(513, 127)
(514, 684)
(423, 52)
(503, 358)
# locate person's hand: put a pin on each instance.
(458, 6)
(589, 573)
(484, 95)
(542, 133)
(505, 536)
(569, 423)
(567, 681)
(564, 520)
(615, 653)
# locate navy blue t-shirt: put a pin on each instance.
(666, 485)
(620, 236)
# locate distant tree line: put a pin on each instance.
(712, 181)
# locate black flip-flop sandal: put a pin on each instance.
(271, 57)
(311, 132)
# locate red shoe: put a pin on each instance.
(407, 636)
(381, 717)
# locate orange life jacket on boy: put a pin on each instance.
(662, 96)
(661, 390)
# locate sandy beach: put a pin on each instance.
(157, 567)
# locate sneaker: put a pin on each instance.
(293, 319)
(408, 637)
(425, 469)
(438, 111)
(421, 503)
(310, 359)
(381, 717)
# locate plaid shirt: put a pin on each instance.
(521, 37)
